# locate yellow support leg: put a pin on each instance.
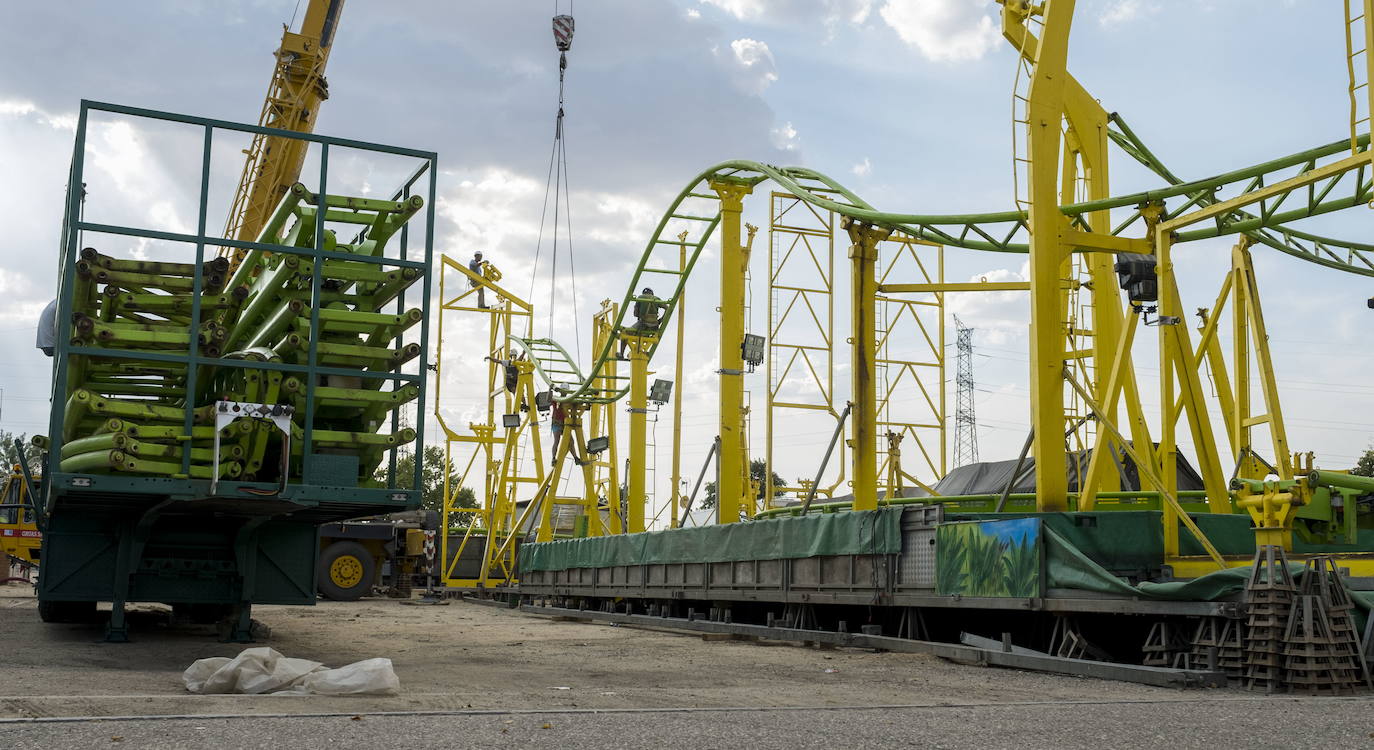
(1045, 110)
(589, 497)
(863, 419)
(734, 265)
(639, 435)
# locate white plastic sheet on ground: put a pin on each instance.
(263, 670)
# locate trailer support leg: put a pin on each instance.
(131, 544)
(117, 629)
(240, 628)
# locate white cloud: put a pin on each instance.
(943, 30)
(22, 109)
(1000, 317)
(15, 108)
(785, 137)
(622, 219)
(693, 13)
(863, 168)
(829, 11)
(1124, 11)
(752, 65)
(493, 209)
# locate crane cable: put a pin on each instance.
(557, 185)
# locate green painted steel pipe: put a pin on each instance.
(1341, 480)
(104, 442)
(276, 324)
(390, 290)
(1015, 497)
(96, 461)
(270, 234)
(263, 298)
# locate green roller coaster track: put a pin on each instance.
(994, 232)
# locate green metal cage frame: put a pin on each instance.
(304, 492)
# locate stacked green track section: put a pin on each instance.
(128, 414)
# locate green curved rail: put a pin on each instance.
(552, 362)
(1310, 247)
(994, 232)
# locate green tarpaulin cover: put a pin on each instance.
(1069, 568)
(874, 532)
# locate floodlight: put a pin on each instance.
(598, 444)
(542, 400)
(660, 391)
(752, 349)
(510, 420)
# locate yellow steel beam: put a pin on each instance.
(604, 419)
(1209, 342)
(1045, 110)
(1144, 467)
(1101, 241)
(734, 266)
(639, 436)
(480, 281)
(955, 286)
(1092, 482)
(1259, 335)
(590, 500)
(675, 496)
(968, 286)
(1179, 368)
(1255, 196)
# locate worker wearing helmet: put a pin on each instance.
(648, 311)
(475, 265)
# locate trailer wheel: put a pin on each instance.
(346, 571)
(62, 612)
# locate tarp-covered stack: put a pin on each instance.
(127, 413)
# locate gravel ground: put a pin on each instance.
(1179, 726)
(472, 674)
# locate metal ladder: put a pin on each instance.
(1359, 35)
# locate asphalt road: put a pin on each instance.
(1196, 720)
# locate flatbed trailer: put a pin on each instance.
(201, 538)
(908, 572)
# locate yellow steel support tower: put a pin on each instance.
(505, 462)
(801, 329)
(602, 421)
(733, 483)
(909, 366)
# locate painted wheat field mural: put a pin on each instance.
(989, 558)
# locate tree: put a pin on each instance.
(431, 480)
(756, 473)
(33, 457)
(1365, 466)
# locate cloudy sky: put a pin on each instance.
(905, 101)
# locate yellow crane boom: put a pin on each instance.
(293, 102)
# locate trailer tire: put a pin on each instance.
(65, 612)
(346, 571)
